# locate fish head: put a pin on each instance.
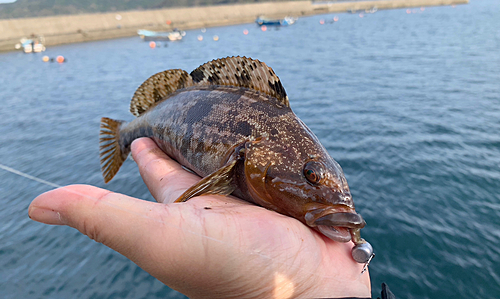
(309, 187)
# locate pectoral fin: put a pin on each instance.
(219, 182)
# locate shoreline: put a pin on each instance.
(66, 29)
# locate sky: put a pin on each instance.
(7, 1)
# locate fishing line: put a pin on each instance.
(253, 252)
(20, 173)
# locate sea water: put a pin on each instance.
(407, 101)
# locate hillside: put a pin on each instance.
(41, 8)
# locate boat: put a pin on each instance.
(371, 10)
(31, 45)
(148, 35)
(261, 21)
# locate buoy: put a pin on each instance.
(245, 32)
(322, 22)
(45, 58)
(203, 30)
(263, 28)
(152, 45)
(408, 11)
(335, 19)
(422, 8)
(168, 22)
(60, 59)
(216, 38)
(361, 15)
(200, 38)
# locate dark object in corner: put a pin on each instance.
(386, 293)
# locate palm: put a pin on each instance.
(209, 246)
(229, 234)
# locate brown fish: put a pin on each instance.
(230, 122)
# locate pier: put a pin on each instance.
(66, 29)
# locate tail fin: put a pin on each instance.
(111, 153)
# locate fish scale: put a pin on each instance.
(230, 122)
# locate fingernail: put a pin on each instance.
(45, 216)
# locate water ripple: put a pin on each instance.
(406, 103)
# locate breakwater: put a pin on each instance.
(89, 27)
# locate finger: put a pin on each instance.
(162, 239)
(165, 178)
(130, 226)
(104, 216)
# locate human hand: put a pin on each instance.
(209, 246)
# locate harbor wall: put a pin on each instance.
(89, 27)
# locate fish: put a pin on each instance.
(230, 122)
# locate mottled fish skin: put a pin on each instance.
(198, 126)
(230, 122)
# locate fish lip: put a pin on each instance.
(340, 219)
(335, 233)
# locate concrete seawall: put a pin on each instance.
(89, 27)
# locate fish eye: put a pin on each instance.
(313, 171)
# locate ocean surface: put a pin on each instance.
(408, 102)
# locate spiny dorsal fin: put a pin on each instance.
(157, 87)
(241, 72)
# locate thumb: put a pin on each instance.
(116, 220)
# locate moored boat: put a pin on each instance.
(261, 21)
(148, 35)
(33, 45)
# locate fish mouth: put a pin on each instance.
(337, 226)
(335, 233)
(334, 222)
(347, 220)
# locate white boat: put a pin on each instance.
(34, 45)
(148, 35)
(286, 21)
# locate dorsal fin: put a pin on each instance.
(241, 72)
(157, 87)
(231, 71)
